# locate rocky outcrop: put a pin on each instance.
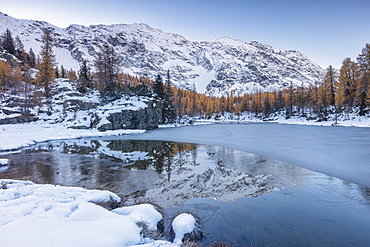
(19, 119)
(146, 118)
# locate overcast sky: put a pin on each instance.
(327, 31)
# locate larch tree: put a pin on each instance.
(5, 72)
(46, 72)
(27, 90)
(107, 70)
(348, 76)
(72, 75)
(330, 84)
(16, 80)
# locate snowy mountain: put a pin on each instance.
(212, 67)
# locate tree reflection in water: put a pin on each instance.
(160, 171)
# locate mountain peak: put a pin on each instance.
(229, 41)
(223, 66)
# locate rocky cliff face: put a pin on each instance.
(216, 67)
(146, 118)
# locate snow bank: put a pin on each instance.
(145, 213)
(45, 215)
(49, 215)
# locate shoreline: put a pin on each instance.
(14, 137)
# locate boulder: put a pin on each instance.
(146, 118)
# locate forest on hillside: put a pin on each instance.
(29, 77)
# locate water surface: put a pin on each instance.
(241, 197)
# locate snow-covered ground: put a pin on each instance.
(48, 215)
(343, 119)
(14, 136)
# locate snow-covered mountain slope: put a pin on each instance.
(214, 67)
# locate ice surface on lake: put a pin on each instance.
(342, 152)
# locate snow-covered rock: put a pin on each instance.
(4, 162)
(215, 67)
(182, 224)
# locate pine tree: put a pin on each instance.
(169, 111)
(84, 78)
(158, 87)
(31, 59)
(20, 53)
(46, 67)
(8, 43)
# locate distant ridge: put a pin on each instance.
(219, 67)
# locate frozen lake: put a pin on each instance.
(342, 152)
(327, 204)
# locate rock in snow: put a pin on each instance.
(215, 67)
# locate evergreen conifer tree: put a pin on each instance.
(158, 87)
(20, 53)
(8, 43)
(63, 72)
(84, 78)
(31, 59)
(169, 111)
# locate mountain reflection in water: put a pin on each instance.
(166, 173)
